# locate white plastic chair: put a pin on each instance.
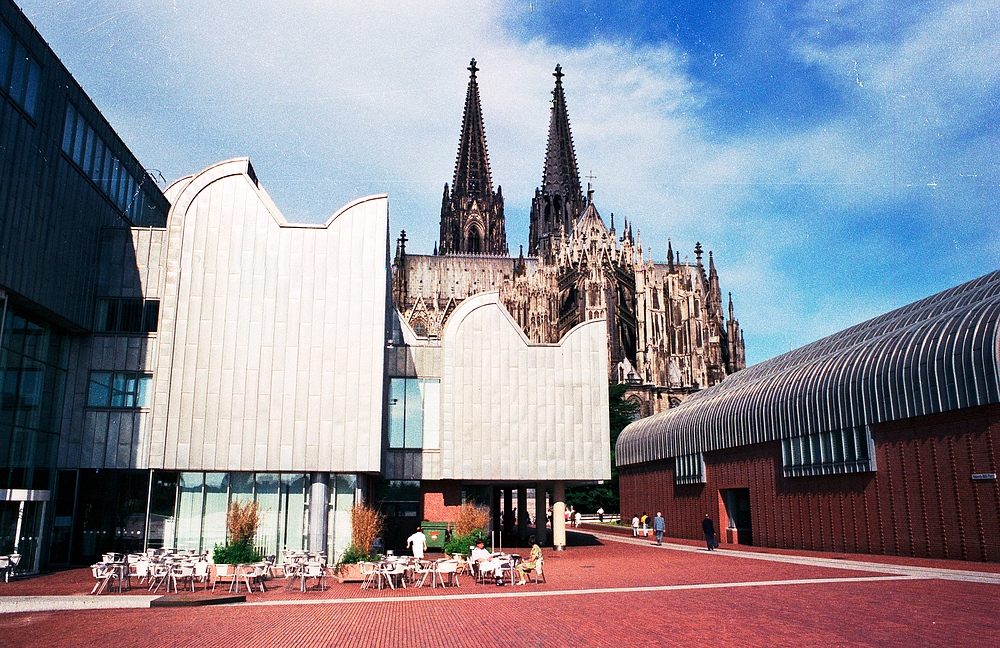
(421, 570)
(181, 572)
(159, 574)
(224, 572)
(315, 570)
(201, 572)
(103, 576)
(370, 571)
(449, 567)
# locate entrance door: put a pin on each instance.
(737, 502)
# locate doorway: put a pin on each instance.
(739, 522)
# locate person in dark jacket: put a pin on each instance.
(659, 526)
(709, 528)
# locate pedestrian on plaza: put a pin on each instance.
(600, 514)
(659, 526)
(644, 521)
(709, 528)
(419, 542)
(577, 519)
(635, 526)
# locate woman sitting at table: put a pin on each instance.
(531, 563)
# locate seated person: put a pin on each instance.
(481, 559)
(531, 563)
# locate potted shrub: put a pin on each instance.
(366, 526)
(242, 521)
(469, 527)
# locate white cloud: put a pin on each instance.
(336, 100)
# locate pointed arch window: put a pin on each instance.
(475, 242)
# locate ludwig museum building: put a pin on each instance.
(166, 351)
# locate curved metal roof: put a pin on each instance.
(934, 355)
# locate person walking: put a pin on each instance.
(659, 526)
(600, 514)
(635, 526)
(644, 521)
(709, 528)
(419, 543)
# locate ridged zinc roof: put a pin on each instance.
(934, 355)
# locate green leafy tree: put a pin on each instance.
(590, 498)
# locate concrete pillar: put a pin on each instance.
(541, 533)
(495, 514)
(559, 516)
(361, 489)
(522, 512)
(508, 505)
(319, 499)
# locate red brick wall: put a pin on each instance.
(442, 500)
(921, 501)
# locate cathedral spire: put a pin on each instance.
(560, 199)
(561, 174)
(472, 168)
(472, 220)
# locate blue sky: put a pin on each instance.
(839, 158)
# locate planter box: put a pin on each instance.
(350, 574)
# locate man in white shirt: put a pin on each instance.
(482, 558)
(418, 542)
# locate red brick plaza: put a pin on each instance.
(604, 590)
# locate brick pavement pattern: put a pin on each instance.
(619, 592)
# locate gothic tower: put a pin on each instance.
(559, 201)
(472, 220)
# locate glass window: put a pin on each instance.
(116, 171)
(266, 487)
(409, 412)
(414, 423)
(190, 501)
(150, 315)
(128, 390)
(88, 150)
(31, 92)
(67, 143)
(827, 453)
(130, 317)
(397, 408)
(19, 73)
(123, 315)
(6, 43)
(216, 507)
(95, 173)
(79, 139)
(106, 172)
(120, 391)
(99, 394)
(142, 392)
(432, 414)
(293, 521)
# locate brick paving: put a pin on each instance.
(615, 592)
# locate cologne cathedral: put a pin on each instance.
(668, 333)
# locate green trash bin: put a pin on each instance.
(435, 533)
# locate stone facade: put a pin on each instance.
(668, 334)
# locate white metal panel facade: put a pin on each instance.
(514, 410)
(272, 334)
